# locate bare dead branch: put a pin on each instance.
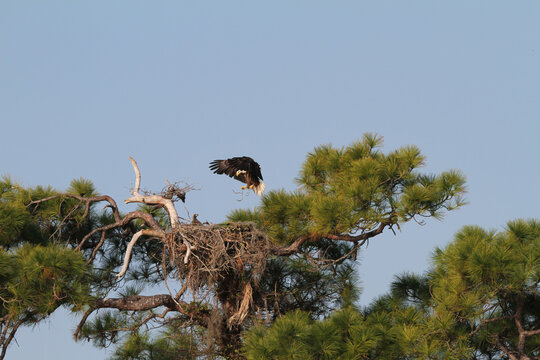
(152, 199)
(137, 176)
(132, 243)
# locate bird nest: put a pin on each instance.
(217, 252)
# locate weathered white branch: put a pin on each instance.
(151, 199)
(127, 256)
(188, 251)
(137, 176)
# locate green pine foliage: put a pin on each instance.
(169, 344)
(17, 224)
(389, 329)
(82, 187)
(486, 283)
(357, 188)
(39, 269)
(286, 216)
(343, 335)
(291, 283)
(480, 301)
(41, 278)
(241, 215)
(105, 328)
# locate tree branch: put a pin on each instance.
(504, 349)
(98, 246)
(10, 337)
(163, 201)
(152, 199)
(87, 200)
(137, 176)
(139, 303)
(144, 303)
(531, 332)
(291, 249)
(488, 321)
(522, 333)
(78, 332)
(361, 238)
(146, 217)
(136, 236)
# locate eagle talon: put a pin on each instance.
(251, 186)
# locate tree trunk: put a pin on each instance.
(228, 292)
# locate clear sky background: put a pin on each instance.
(176, 84)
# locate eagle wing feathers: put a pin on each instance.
(243, 169)
(230, 167)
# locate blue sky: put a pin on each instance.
(176, 84)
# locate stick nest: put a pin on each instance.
(219, 251)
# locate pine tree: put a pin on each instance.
(293, 252)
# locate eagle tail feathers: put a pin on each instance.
(259, 189)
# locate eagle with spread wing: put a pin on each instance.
(243, 169)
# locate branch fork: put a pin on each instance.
(157, 200)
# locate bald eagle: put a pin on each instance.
(243, 169)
